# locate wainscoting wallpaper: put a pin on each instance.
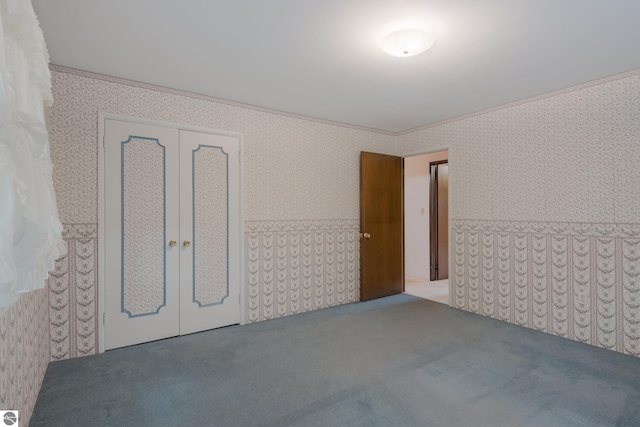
(576, 280)
(24, 352)
(549, 189)
(73, 295)
(290, 267)
(297, 266)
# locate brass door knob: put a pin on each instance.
(186, 243)
(172, 243)
(367, 235)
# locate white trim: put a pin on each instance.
(558, 92)
(426, 151)
(429, 151)
(171, 125)
(102, 116)
(101, 234)
(243, 291)
(179, 92)
(118, 80)
(450, 208)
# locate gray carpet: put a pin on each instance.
(397, 361)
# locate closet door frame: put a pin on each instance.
(102, 116)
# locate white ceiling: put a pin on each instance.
(321, 58)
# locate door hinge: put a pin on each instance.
(104, 319)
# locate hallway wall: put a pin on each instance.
(416, 227)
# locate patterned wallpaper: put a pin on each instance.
(555, 159)
(293, 168)
(549, 189)
(576, 280)
(24, 352)
(569, 157)
(300, 174)
(73, 295)
(545, 199)
(297, 266)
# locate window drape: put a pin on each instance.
(30, 231)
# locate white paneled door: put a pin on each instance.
(209, 237)
(172, 232)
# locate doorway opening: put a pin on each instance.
(426, 226)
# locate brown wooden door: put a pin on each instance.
(439, 220)
(381, 216)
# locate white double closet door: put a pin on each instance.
(172, 232)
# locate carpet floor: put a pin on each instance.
(396, 361)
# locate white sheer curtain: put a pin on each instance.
(30, 231)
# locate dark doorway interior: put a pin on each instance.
(439, 220)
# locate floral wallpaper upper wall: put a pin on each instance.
(294, 169)
(571, 156)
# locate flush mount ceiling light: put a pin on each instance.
(408, 42)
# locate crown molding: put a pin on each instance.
(157, 88)
(524, 101)
(118, 80)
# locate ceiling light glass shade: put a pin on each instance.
(409, 42)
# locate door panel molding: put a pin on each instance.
(129, 143)
(195, 241)
(155, 273)
(220, 310)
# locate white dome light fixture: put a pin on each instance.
(408, 42)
